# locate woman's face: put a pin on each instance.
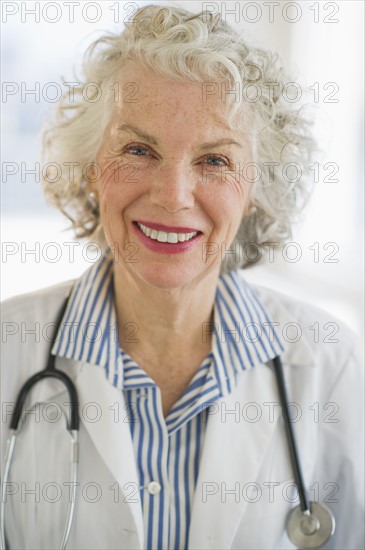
(160, 165)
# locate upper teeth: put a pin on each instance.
(164, 237)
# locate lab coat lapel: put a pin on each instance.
(111, 433)
(233, 452)
(103, 415)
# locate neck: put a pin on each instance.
(160, 323)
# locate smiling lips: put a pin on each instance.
(172, 237)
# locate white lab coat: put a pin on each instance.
(245, 479)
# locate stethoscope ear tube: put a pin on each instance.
(73, 481)
(10, 444)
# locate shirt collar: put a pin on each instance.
(242, 334)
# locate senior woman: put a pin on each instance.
(182, 443)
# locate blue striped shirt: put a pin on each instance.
(167, 450)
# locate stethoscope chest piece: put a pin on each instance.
(310, 530)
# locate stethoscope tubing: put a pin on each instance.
(50, 372)
(293, 450)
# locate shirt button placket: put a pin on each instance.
(153, 487)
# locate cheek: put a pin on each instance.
(119, 184)
(226, 199)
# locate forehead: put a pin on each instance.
(144, 92)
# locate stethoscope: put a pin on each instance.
(73, 427)
(309, 525)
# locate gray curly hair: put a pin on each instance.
(193, 47)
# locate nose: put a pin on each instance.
(173, 187)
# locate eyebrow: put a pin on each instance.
(224, 141)
(148, 137)
(143, 135)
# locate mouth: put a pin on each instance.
(168, 237)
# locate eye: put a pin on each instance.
(214, 160)
(137, 150)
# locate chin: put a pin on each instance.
(165, 277)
